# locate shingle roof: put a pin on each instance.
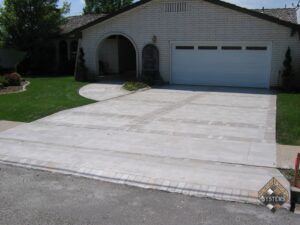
(286, 14)
(74, 22)
(285, 17)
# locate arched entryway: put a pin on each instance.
(117, 56)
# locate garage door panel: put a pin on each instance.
(244, 68)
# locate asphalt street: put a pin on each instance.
(32, 197)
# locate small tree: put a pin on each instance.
(81, 70)
(287, 63)
(30, 26)
(287, 74)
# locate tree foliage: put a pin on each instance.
(104, 6)
(30, 25)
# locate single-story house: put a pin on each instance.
(197, 42)
(67, 42)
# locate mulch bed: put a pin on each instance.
(289, 175)
(12, 89)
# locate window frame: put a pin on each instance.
(256, 48)
(207, 47)
(231, 48)
(185, 47)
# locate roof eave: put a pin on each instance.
(255, 14)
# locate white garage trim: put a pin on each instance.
(228, 49)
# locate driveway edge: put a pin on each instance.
(213, 192)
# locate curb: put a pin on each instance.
(189, 189)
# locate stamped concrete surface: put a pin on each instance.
(103, 91)
(42, 198)
(204, 141)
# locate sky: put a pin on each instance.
(77, 5)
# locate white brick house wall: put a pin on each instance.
(202, 21)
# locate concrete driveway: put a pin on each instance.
(214, 142)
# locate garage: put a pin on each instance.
(221, 64)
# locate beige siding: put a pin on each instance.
(202, 21)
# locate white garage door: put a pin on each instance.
(234, 64)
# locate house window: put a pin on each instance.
(207, 47)
(259, 48)
(185, 47)
(231, 48)
(176, 7)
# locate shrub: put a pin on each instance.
(3, 82)
(133, 86)
(287, 74)
(81, 70)
(287, 63)
(13, 79)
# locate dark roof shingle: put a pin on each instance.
(286, 14)
(74, 22)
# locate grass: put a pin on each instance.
(44, 96)
(288, 118)
(134, 85)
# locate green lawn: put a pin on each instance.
(44, 96)
(288, 119)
